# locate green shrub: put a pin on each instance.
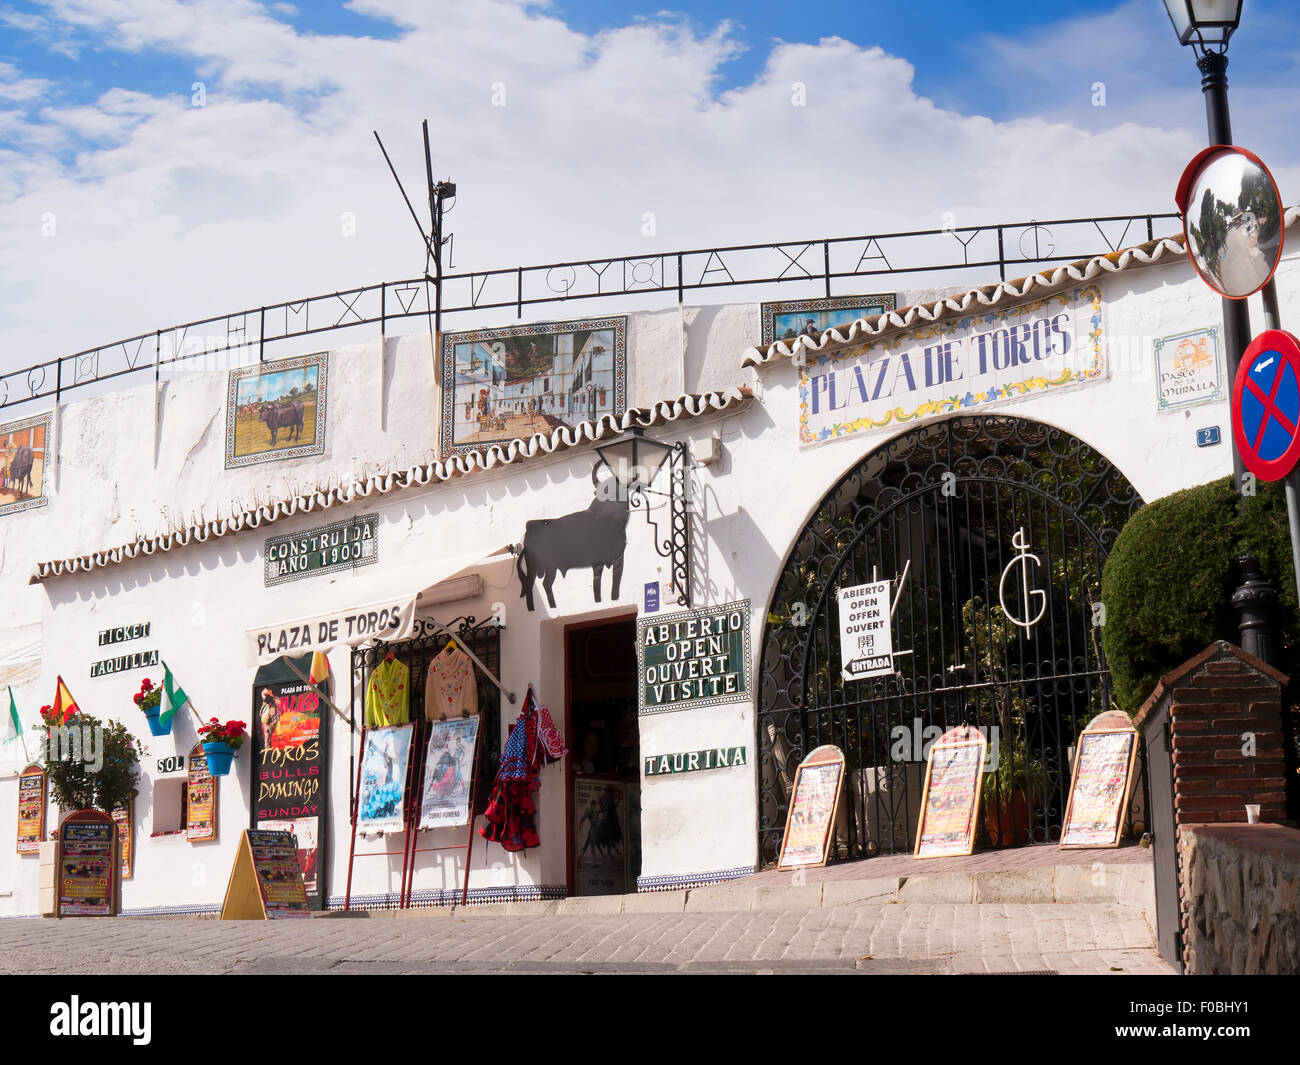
(1168, 582)
(75, 787)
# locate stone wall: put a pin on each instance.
(1241, 898)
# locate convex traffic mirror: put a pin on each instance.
(1232, 218)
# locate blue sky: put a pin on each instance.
(944, 40)
(618, 127)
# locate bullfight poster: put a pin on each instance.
(276, 410)
(810, 819)
(290, 763)
(384, 761)
(600, 836)
(448, 770)
(951, 800)
(1102, 782)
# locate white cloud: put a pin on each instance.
(167, 212)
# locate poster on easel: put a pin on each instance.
(266, 880)
(200, 799)
(290, 762)
(384, 761)
(88, 852)
(950, 800)
(448, 771)
(124, 818)
(1101, 783)
(810, 821)
(33, 791)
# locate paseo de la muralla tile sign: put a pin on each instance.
(965, 363)
(693, 658)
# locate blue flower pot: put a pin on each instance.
(220, 755)
(155, 727)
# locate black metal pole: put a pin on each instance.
(1236, 315)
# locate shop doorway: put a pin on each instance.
(1001, 526)
(604, 765)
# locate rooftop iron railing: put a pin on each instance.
(820, 262)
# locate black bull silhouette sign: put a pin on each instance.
(595, 537)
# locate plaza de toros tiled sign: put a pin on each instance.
(960, 363)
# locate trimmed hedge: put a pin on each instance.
(1168, 582)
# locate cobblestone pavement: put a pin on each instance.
(896, 938)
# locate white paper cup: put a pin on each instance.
(1252, 813)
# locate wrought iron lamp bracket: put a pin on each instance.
(674, 543)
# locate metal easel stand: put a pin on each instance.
(413, 828)
(406, 821)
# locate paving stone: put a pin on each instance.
(1015, 885)
(952, 887)
(735, 896)
(862, 937)
(846, 892)
(655, 902)
(787, 897)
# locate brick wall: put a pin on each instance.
(1225, 735)
(1226, 731)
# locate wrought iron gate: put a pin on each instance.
(979, 511)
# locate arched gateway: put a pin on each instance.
(979, 512)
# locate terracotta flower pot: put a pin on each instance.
(1007, 822)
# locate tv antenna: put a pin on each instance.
(439, 193)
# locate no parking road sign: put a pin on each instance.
(1266, 405)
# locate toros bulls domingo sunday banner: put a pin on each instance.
(291, 762)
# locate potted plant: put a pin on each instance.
(75, 783)
(149, 699)
(1007, 791)
(220, 742)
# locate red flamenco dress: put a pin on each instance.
(533, 742)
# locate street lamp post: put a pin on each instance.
(1207, 25)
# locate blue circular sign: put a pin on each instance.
(1266, 405)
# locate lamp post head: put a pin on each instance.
(633, 458)
(1205, 24)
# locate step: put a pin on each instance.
(1130, 884)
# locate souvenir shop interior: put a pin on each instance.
(604, 770)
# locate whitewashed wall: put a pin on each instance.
(109, 484)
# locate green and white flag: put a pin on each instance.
(173, 697)
(12, 729)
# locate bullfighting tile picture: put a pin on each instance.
(276, 410)
(512, 383)
(790, 319)
(24, 460)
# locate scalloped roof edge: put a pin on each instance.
(866, 330)
(493, 457)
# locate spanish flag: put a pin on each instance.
(64, 704)
(320, 668)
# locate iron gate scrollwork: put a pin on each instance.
(977, 511)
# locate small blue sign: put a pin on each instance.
(1207, 437)
(652, 597)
